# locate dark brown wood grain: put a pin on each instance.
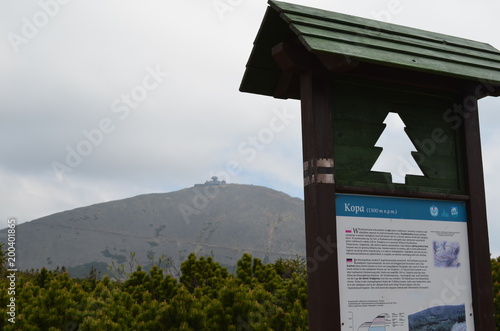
(479, 252)
(319, 200)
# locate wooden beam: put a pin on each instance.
(291, 58)
(404, 77)
(287, 86)
(479, 252)
(337, 64)
(319, 201)
(400, 194)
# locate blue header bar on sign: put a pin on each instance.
(400, 208)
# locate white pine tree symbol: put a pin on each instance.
(397, 147)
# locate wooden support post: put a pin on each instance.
(319, 199)
(479, 252)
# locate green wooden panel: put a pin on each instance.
(349, 177)
(352, 108)
(272, 30)
(396, 30)
(350, 41)
(414, 62)
(337, 29)
(358, 114)
(433, 140)
(264, 59)
(391, 96)
(359, 110)
(355, 157)
(262, 72)
(411, 114)
(436, 166)
(256, 82)
(423, 182)
(442, 187)
(357, 133)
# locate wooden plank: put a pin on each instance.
(261, 58)
(479, 252)
(361, 110)
(347, 177)
(272, 29)
(436, 114)
(407, 189)
(290, 57)
(287, 86)
(436, 166)
(337, 64)
(412, 79)
(319, 201)
(395, 93)
(300, 22)
(356, 157)
(355, 133)
(401, 194)
(382, 27)
(415, 62)
(259, 81)
(383, 181)
(450, 185)
(397, 45)
(433, 141)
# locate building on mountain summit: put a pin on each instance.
(215, 181)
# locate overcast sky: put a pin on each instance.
(103, 100)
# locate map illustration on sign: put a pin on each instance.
(446, 254)
(396, 155)
(378, 324)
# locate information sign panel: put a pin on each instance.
(403, 264)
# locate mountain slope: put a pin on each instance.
(223, 220)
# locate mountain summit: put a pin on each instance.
(220, 220)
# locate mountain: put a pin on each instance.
(445, 317)
(223, 220)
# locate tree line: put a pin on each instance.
(201, 296)
(205, 297)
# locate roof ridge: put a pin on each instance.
(437, 37)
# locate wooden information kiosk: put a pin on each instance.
(383, 254)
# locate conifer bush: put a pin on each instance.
(205, 297)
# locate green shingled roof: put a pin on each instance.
(365, 40)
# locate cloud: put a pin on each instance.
(491, 164)
(27, 197)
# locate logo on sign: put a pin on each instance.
(454, 211)
(434, 211)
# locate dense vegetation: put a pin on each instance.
(495, 271)
(202, 295)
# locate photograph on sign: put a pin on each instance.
(403, 264)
